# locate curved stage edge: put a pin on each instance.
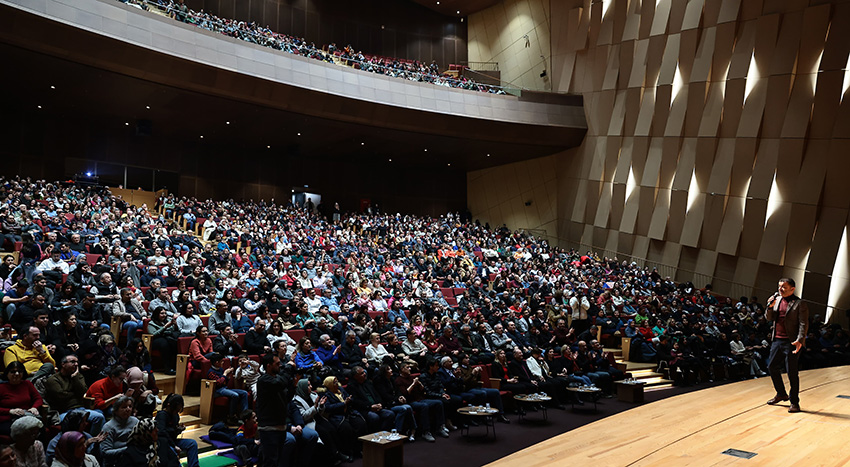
(695, 428)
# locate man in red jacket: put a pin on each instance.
(107, 390)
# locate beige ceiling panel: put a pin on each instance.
(600, 65)
(630, 29)
(604, 207)
(611, 240)
(746, 271)
(624, 66)
(669, 160)
(830, 228)
(752, 227)
(776, 104)
(764, 169)
(618, 115)
(678, 109)
(837, 189)
(640, 247)
(658, 224)
(653, 163)
(612, 154)
(662, 109)
(729, 10)
(580, 204)
(630, 212)
(767, 29)
(787, 44)
(815, 26)
(618, 202)
(750, 9)
(612, 68)
(742, 167)
(722, 58)
(669, 60)
(678, 212)
(693, 222)
(603, 107)
(751, 116)
(647, 108)
(703, 59)
(709, 124)
(645, 207)
(803, 219)
(827, 100)
(788, 165)
(638, 73)
(685, 166)
(732, 107)
(633, 97)
(697, 93)
(671, 254)
(730, 230)
(593, 190)
(808, 186)
(704, 162)
(742, 54)
(722, 168)
(606, 28)
(693, 14)
(624, 162)
(662, 14)
(688, 42)
(838, 41)
(772, 248)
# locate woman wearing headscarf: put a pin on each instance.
(76, 420)
(337, 439)
(71, 451)
(28, 449)
(338, 409)
(144, 448)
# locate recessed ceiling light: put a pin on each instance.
(299, 134)
(450, 165)
(148, 107)
(488, 155)
(363, 144)
(391, 160)
(227, 123)
(268, 147)
(458, 12)
(426, 149)
(39, 107)
(438, 3)
(126, 123)
(202, 136)
(52, 87)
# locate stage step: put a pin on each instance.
(165, 383)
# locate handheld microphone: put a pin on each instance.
(773, 299)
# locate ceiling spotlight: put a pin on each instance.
(52, 87)
(391, 160)
(268, 147)
(148, 107)
(227, 123)
(88, 174)
(202, 136)
(488, 154)
(299, 134)
(438, 3)
(126, 123)
(426, 149)
(450, 164)
(363, 144)
(458, 12)
(39, 107)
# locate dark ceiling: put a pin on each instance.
(59, 88)
(452, 7)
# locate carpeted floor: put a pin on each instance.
(476, 449)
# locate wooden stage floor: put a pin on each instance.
(695, 428)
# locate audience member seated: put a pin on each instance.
(18, 397)
(222, 377)
(29, 451)
(29, 350)
(114, 446)
(168, 428)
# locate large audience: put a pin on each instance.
(319, 325)
(252, 32)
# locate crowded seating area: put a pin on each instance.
(252, 32)
(302, 328)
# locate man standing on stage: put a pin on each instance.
(790, 318)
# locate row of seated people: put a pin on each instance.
(256, 34)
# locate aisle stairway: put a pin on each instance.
(642, 371)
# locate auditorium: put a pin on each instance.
(424, 232)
